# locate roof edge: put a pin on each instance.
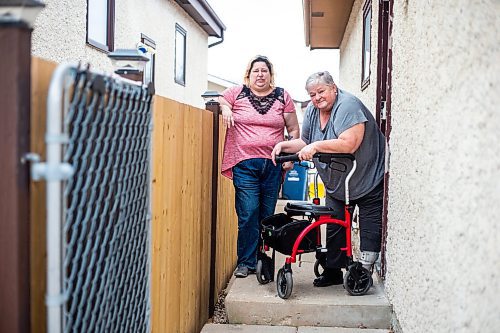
(201, 12)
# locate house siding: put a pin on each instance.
(443, 258)
(154, 18)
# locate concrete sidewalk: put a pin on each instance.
(248, 302)
(252, 307)
(221, 328)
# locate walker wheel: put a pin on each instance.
(318, 268)
(357, 280)
(284, 283)
(262, 272)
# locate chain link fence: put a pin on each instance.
(106, 205)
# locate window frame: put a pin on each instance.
(110, 29)
(151, 44)
(180, 31)
(366, 41)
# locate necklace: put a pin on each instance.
(262, 104)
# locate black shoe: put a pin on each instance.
(329, 277)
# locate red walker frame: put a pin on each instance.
(357, 280)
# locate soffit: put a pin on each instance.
(325, 22)
(204, 15)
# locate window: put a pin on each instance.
(101, 24)
(365, 62)
(148, 47)
(180, 55)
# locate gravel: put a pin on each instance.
(220, 314)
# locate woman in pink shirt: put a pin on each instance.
(256, 114)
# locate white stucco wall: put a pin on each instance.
(443, 253)
(60, 31)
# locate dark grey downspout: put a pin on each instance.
(219, 41)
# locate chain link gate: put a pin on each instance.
(102, 282)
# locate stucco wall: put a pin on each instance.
(443, 263)
(443, 237)
(60, 32)
(350, 56)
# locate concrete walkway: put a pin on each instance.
(248, 302)
(221, 328)
(252, 307)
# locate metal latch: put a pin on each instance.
(41, 170)
(383, 113)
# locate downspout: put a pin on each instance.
(219, 41)
(307, 19)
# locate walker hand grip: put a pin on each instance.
(286, 158)
(323, 157)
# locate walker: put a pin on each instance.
(291, 236)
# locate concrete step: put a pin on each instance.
(232, 328)
(251, 303)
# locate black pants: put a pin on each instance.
(370, 226)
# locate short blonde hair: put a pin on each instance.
(258, 58)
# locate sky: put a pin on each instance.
(273, 28)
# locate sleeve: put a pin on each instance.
(305, 133)
(350, 114)
(289, 107)
(231, 93)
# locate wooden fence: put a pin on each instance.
(181, 214)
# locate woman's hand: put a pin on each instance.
(287, 166)
(227, 116)
(306, 153)
(276, 151)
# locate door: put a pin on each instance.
(383, 116)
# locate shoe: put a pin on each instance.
(241, 272)
(329, 277)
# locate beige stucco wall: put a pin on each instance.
(60, 31)
(350, 56)
(443, 253)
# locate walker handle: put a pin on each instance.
(323, 157)
(284, 157)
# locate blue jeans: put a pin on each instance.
(256, 182)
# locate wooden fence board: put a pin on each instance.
(158, 230)
(41, 72)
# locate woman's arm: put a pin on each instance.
(292, 124)
(227, 114)
(348, 142)
(291, 146)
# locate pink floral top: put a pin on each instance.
(258, 125)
